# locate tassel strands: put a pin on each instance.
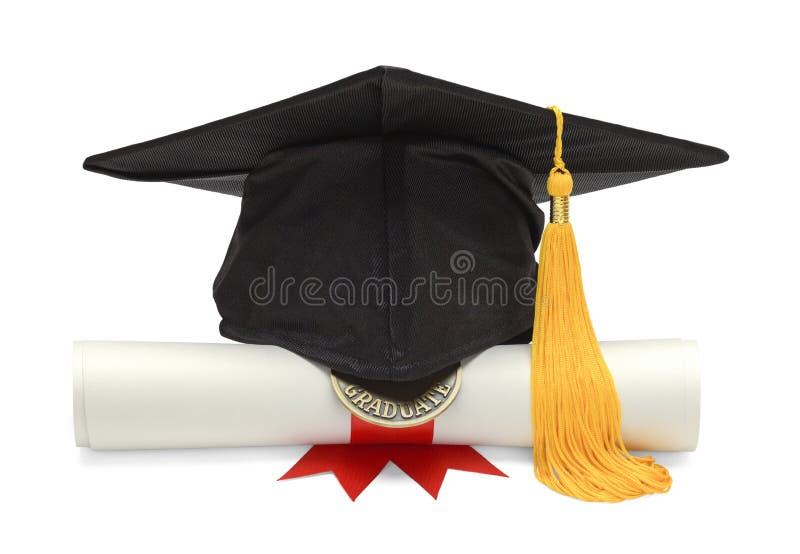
(577, 444)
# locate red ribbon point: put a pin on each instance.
(371, 447)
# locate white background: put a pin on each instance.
(708, 254)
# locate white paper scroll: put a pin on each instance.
(136, 395)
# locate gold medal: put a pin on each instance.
(384, 410)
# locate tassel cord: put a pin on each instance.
(576, 415)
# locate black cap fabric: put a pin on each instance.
(389, 220)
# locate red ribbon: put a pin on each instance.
(371, 447)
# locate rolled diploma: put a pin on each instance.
(138, 395)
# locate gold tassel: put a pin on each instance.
(577, 444)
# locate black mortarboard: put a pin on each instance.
(371, 182)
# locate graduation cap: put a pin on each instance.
(388, 227)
